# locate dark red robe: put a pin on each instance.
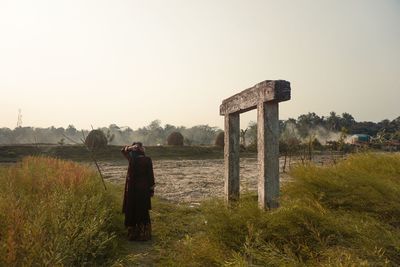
(139, 188)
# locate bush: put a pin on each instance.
(175, 139)
(54, 213)
(220, 139)
(96, 140)
(342, 215)
(367, 183)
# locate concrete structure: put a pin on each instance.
(264, 96)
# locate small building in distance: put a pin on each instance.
(360, 139)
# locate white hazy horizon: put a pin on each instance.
(99, 62)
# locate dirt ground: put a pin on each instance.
(192, 181)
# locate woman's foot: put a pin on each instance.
(132, 233)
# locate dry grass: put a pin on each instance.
(342, 215)
(53, 213)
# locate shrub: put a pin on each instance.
(175, 139)
(341, 215)
(366, 183)
(54, 213)
(220, 139)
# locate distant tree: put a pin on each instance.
(201, 134)
(220, 139)
(396, 122)
(62, 141)
(310, 145)
(127, 135)
(365, 127)
(342, 139)
(389, 126)
(347, 121)
(252, 133)
(316, 144)
(155, 133)
(175, 139)
(168, 129)
(6, 135)
(289, 144)
(110, 136)
(396, 136)
(333, 121)
(71, 130)
(383, 136)
(243, 137)
(152, 134)
(283, 149)
(308, 121)
(291, 121)
(23, 135)
(114, 127)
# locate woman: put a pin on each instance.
(139, 188)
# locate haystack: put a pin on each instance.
(175, 139)
(96, 140)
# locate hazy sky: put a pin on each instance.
(128, 62)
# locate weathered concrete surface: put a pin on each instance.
(264, 96)
(231, 156)
(268, 154)
(248, 99)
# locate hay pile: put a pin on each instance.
(96, 140)
(175, 139)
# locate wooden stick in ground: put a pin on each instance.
(98, 168)
(94, 160)
(91, 155)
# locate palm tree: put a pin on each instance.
(333, 121)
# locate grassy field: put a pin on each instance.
(347, 214)
(342, 215)
(13, 153)
(54, 213)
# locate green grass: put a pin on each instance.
(347, 214)
(13, 153)
(341, 215)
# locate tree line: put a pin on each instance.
(153, 134)
(327, 128)
(323, 128)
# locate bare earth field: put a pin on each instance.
(182, 174)
(192, 181)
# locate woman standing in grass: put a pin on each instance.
(139, 188)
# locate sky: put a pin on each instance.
(128, 62)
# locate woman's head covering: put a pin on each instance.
(136, 150)
(137, 146)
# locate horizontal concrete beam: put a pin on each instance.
(277, 90)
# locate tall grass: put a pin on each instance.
(342, 215)
(54, 213)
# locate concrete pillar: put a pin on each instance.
(268, 154)
(231, 156)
